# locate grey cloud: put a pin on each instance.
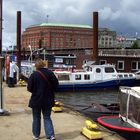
(112, 14)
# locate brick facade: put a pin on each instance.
(57, 36)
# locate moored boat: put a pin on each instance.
(93, 77)
(127, 123)
(137, 82)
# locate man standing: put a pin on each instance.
(13, 74)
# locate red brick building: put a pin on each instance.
(56, 36)
(60, 38)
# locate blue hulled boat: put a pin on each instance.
(93, 77)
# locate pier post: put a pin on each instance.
(2, 111)
(1, 26)
(1, 93)
(1, 89)
(19, 40)
(95, 37)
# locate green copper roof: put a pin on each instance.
(63, 25)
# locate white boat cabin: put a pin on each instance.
(92, 73)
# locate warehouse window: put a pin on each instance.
(120, 65)
(135, 65)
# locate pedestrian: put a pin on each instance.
(13, 74)
(42, 83)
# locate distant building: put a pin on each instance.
(53, 36)
(66, 39)
(107, 38)
(66, 36)
(125, 42)
(125, 60)
(138, 41)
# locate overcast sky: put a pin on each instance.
(119, 15)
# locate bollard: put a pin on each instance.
(91, 131)
(57, 107)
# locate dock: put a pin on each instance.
(17, 125)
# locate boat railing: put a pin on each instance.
(120, 52)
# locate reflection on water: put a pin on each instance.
(89, 103)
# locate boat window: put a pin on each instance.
(98, 70)
(77, 77)
(63, 77)
(88, 68)
(120, 76)
(109, 69)
(125, 75)
(123, 103)
(87, 77)
(130, 75)
(134, 109)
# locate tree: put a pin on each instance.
(135, 45)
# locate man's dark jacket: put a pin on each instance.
(42, 91)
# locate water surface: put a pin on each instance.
(89, 103)
(86, 98)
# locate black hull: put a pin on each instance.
(115, 123)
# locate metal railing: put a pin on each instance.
(120, 52)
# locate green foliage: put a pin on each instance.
(135, 45)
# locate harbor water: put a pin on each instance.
(88, 103)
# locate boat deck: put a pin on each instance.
(115, 123)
